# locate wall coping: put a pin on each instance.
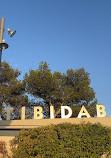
(20, 124)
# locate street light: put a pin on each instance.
(3, 44)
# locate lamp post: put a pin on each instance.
(4, 45)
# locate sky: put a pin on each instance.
(64, 33)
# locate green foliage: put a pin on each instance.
(40, 82)
(63, 141)
(11, 90)
(72, 88)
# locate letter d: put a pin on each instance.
(63, 108)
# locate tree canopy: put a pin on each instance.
(11, 90)
(70, 88)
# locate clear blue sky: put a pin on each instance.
(64, 33)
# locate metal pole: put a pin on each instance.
(1, 37)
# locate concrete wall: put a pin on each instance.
(9, 129)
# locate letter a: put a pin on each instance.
(83, 112)
(100, 111)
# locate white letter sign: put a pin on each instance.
(51, 112)
(83, 112)
(23, 113)
(63, 112)
(38, 113)
(100, 111)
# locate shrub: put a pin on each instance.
(63, 141)
(3, 151)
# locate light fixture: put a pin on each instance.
(11, 32)
(3, 45)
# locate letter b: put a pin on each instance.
(100, 111)
(38, 113)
